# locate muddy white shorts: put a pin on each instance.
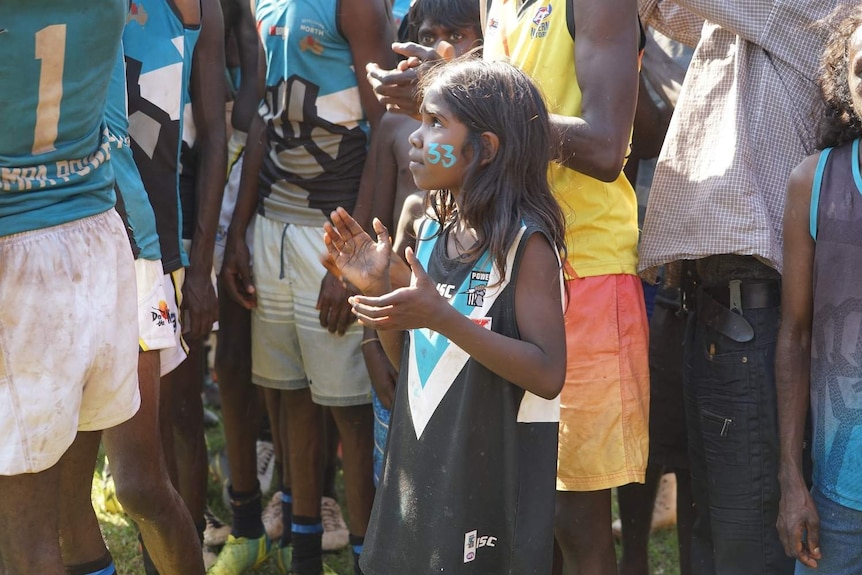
(68, 338)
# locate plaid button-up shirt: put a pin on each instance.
(746, 117)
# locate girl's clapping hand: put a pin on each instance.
(417, 306)
(361, 261)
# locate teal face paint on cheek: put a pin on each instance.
(433, 154)
(449, 158)
(434, 157)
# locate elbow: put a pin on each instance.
(609, 166)
(553, 384)
(602, 164)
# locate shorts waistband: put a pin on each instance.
(33, 235)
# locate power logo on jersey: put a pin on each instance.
(540, 22)
(476, 291)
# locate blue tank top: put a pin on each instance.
(314, 119)
(158, 49)
(836, 337)
(54, 147)
(132, 200)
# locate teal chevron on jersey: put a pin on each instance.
(55, 59)
(435, 362)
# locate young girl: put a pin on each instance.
(817, 358)
(468, 483)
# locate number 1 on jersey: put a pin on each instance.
(51, 50)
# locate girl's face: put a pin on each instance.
(436, 159)
(854, 74)
(462, 39)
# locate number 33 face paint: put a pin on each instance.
(447, 160)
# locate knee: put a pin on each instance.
(145, 497)
(354, 419)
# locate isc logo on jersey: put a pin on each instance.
(540, 25)
(472, 542)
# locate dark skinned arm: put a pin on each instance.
(236, 269)
(606, 38)
(367, 27)
(207, 89)
(247, 97)
(797, 516)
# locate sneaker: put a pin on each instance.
(209, 556)
(271, 517)
(265, 465)
(240, 554)
(215, 532)
(335, 534)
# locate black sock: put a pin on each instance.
(306, 541)
(356, 543)
(246, 509)
(286, 515)
(102, 566)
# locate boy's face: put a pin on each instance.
(854, 73)
(462, 39)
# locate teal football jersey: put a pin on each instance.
(56, 63)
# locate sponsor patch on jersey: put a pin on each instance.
(541, 22)
(163, 315)
(137, 13)
(472, 543)
(311, 43)
(280, 31)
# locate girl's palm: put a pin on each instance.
(361, 261)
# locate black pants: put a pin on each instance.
(731, 415)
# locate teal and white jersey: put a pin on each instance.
(56, 58)
(132, 200)
(315, 125)
(158, 49)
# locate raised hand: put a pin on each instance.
(361, 261)
(397, 88)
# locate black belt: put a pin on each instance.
(751, 295)
(721, 308)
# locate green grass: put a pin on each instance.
(121, 535)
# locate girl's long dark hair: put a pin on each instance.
(511, 189)
(840, 123)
